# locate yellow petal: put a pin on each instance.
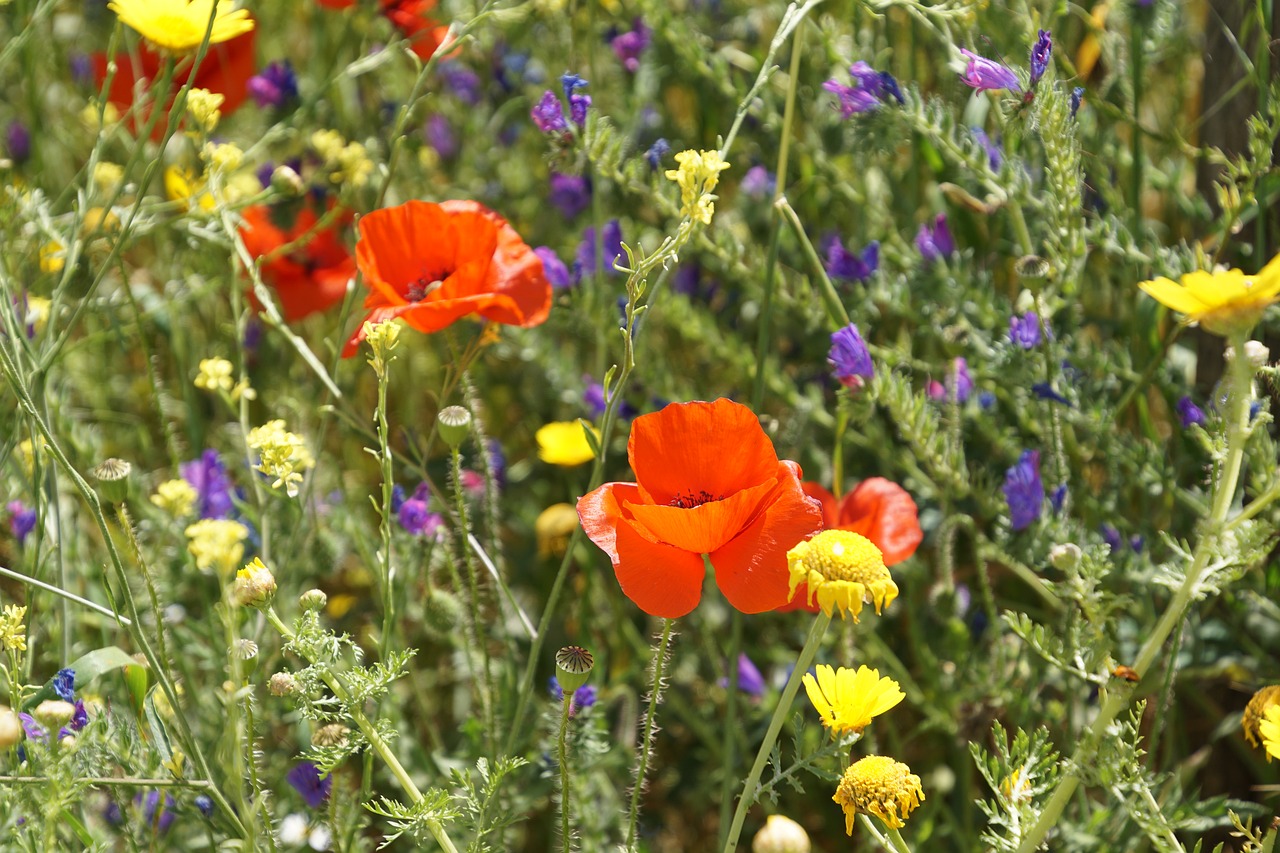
(1173, 295)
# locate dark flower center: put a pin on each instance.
(419, 289)
(689, 500)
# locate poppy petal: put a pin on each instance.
(884, 512)
(600, 510)
(679, 453)
(706, 528)
(830, 507)
(659, 579)
(751, 570)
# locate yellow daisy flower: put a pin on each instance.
(1256, 710)
(1269, 728)
(1223, 301)
(847, 700)
(565, 443)
(178, 26)
(879, 786)
(843, 569)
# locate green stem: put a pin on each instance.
(836, 313)
(752, 785)
(1241, 390)
(566, 832)
(370, 732)
(899, 843)
(729, 738)
(1135, 66)
(646, 741)
(473, 588)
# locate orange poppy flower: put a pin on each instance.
(708, 482)
(411, 18)
(431, 264)
(880, 510)
(225, 71)
(311, 277)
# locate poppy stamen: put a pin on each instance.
(419, 289)
(690, 500)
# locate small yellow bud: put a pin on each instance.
(205, 108)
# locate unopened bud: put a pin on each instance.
(282, 684)
(286, 181)
(10, 728)
(781, 835)
(454, 424)
(1065, 556)
(442, 612)
(254, 585)
(1257, 353)
(54, 713)
(573, 667)
(313, 599)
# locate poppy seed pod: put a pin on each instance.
(113, 479)
(573, 667)
(454, 424)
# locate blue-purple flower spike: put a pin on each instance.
(849, 359)
(986, 75)
(1024, 490)
(1040, 56)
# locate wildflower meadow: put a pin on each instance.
(639, 425)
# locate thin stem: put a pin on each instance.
(388, 485)
(730, 740)
(370, 732)
(566, 832)
(836, 312)
(646, 741)
(752, 785)
(69, 596)
(1241, 390)
(473, 588)
(899, 843)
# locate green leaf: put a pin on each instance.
(87, 668)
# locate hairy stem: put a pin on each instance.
(646, 740)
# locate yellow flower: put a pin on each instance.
(183, 185)
(1223, 302)
(697, 176)
(565, 443)
(553, 528)
(1269, 728)
(843, 569)
(13, 628)
(847, 700)
(205, 108)
(217, 543)
(53, 257)
(176, 497)
(26, 454)
(879, 786)
(107, 175)
(254, 585)
(215, 375)
(37, 316)
(1254, 712)
(178, 26)
(222, 157)
(282, 454)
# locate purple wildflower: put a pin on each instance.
(1189, 413)
(570, 194)
(79, 719)
(595, 400)
(22, 520)
(995, 153)
(462, 82)
(1077, 95)
(959, 382)
(1137, 543)
(1024, 330)
(1040, 56)
(497, 462)
(1024, 491)
(986, 400)
(1058, 497)
(659, 149)
(1111, 536)
(1045, 391)
(985, 75)
(31, 727)
(208, 476)
(274, 86)
(557, 273)
(935, 242)
(415, 516)
(750, 681)
(548, 114)
(758, 183)
(870, 89)
(306, 780)
(849, 359)
(440, 136)
(577, 103)
(64, 684)
(17, 141)
(397, 497)
(848, 266)
(584, 697)
(585, 262)
(157, 811)
(628, 46)
(204, 803)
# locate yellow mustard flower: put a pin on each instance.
(1256, 710)
(565, 443)
(183, 185)
(53, 257)
(281, 454)
(205, 108)
(1269, 729)
(1223, 301)
(697, 176)
(178, 26)
(878, 785)
(13, 628)
(843, 569)
(847, 700)
(217, 543)
(215, 375)
(175, 497)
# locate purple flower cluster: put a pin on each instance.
(845, 265)
(934, 242)
(1189, 413)
(570, 194)
(584, 697)
(750, 681)
(849, 359)
(548, 113)
(1024, 330)
(659, 149)
(306, 780)
(557, 273)
(274, 86)
(22, 520)
(1024, 490)
(628, 46)
(959, 384)
(870, 89)
(208, 476)
(1040, 55)
(415, 515)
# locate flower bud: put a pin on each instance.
(1032, 269)
(781, 835)
(334, 734)
(313, 599)
(454, 424)
(254, 586)
(54, 713)
(573, 667)
(113, 480)
(10, 728)
(442, 612)
(1257, 353)
(283, 684)
(1065, 556)
(286, 181)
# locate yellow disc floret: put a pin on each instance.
(842, 569)
(878, 785)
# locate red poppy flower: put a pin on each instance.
(226, 70)
(431, 264)
(880, 510)
(309, 278)
(411, 18)
(708, 482)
